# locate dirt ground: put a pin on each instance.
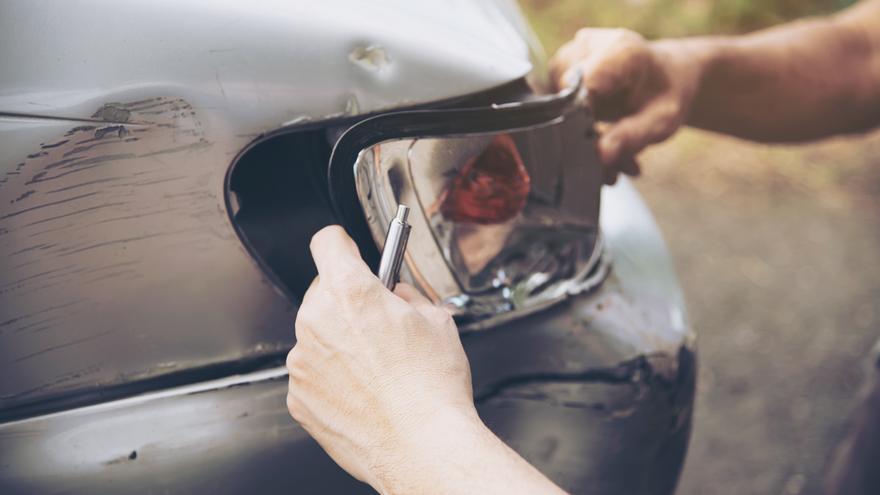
(778, 250)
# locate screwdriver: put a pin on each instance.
(395, 246)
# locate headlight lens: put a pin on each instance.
(505, 221)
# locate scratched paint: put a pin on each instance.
(126, 267)
(591, 391)
(110, 236)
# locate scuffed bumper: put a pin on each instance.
(597, 392)
(545, 384)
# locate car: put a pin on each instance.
(164, 165)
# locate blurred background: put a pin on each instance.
(778, 249)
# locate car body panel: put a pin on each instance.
(596, 392)
(112, 239)
(118, 261)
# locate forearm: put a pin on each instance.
(457, 454)
(801, 81)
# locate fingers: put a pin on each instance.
(620, 71)
(344, 286)
(630, 166)
(573, 58)
(620, 142)
(626, 165)
(583, 53)
(627, 137)
(611, 61)
(336, 254)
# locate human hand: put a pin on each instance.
(640, 92)
(375, 376)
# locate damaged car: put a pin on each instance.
(163, 167)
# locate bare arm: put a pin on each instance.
(460, 455)
(799, 81)
(381, 381)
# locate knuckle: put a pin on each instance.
(441, 315)
(313, 308)
(584, 33)
(301, 326)
(670, 109)
(673, 110)
(297, 367)
(292, 360)
(631, 52)
(305, 313)
(628, 36)
(561, 54)
(625, 44)
(297, 375)
(557, 69)
(294, 407)
(668, 118)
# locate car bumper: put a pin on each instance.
(544, 384)
(597, 392)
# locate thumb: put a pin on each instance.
(336, 255)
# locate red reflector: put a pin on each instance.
(491, 188)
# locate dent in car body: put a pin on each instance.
(257, 64)
(119, 262)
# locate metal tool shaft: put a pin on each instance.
(395, 247)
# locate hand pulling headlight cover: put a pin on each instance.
(505, 201)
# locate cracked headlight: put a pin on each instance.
(505, 201)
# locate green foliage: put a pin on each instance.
(556, 21)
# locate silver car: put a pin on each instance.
(163, 166)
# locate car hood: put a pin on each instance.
(263, 64)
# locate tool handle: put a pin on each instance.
(394, 248)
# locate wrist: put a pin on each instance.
(690, 64)
(449, 439)
(698, 53)
(456, 453)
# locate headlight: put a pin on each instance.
(505, 201)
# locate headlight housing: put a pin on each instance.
(505, 201)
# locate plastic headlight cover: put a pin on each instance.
(504, 221)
